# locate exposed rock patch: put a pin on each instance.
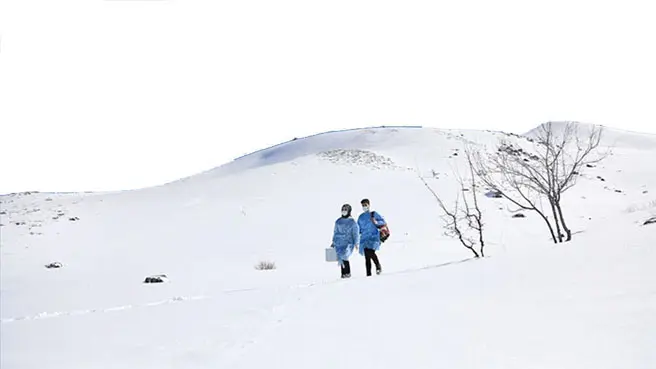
(159, 278)
(358, 157)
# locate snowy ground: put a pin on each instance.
(590, 303)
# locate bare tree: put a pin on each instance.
(557, 160)
(465, 217)
(566, 155)
(497, 171)
(474, 215)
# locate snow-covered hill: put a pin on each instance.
(590, 303)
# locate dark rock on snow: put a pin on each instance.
(494, 194)
(159, 278)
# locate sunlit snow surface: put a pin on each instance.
(590, 303)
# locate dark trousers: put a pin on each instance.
(370, 255)
(346, 268)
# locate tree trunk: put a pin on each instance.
(562, 220)
(553, 209)
(546, 220)
(474, 251)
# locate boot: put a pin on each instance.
(346, 269)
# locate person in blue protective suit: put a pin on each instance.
(346, 237)
(369, 223)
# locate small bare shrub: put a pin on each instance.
(265, 265)
(641, 207)
(464, 219)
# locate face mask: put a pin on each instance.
(365, 209)
(344, 213)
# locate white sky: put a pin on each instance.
(107, 95)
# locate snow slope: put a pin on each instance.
(528, 304)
